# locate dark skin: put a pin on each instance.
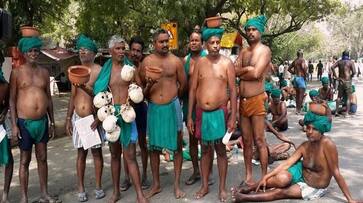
(279, 113)
(136, 57)
(119, 89)
(211, 77)
(298, 67)
(30, 82)
(326, 93)
(251, 66)
(171, 84)
(4, 107)
(346, 71)
(81, 103)
(320, 164)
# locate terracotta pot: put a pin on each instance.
(214, 21)
(28, 31)
(153, 72)
(78, 74)
(317, 109)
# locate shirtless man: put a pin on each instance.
(252, 65)
(211, 78)
(319, 68)
(298, 67)
(6, 157)
(81, 105)
(196, 52)
(31, 107)
(306, 174)
(110, 76)
(136, 50)
(346, 73)
(325, 92)
(164, 112)
(278, 110)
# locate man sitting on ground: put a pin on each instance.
(278, 110)
(325, 92)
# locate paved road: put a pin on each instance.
(347, 133)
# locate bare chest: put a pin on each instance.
(31, 78)
(116, 81)
(212, 71)
(314, 159)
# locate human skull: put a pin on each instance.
(128, 113)
(135, 93)
(105, 111)
(127, 72)
(109, 124)
(113, 136)
(108, 97)
(100, 100)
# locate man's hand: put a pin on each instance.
(231, 125)
(69, 127)
(190, 126)
(95, 123)
(262, 183)
(15, 134)
(51, 131)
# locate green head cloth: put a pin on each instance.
(324, 80)
(258, 22)
(87, 43)
(320, 123)
(275, 93)
(27, 43)
(313, 93)
(268, 86)
(353, 88)
(283, 83)
(210, 32)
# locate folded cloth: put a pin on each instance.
(85, 42)
(27, 43)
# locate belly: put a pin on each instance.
(119, 94)
(251, 88)
(163, 92)
(32, 103)
(83, 104)
(211, 95)
(316, 179)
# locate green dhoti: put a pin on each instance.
(36, 128)
(4, 148)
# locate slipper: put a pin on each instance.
(125, 185)
(99, 194)
(82, 197)
(52, 200)
(193, 179)
(145, 184)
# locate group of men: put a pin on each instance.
(205, 83)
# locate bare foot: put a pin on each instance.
(201, 193)
(154, 190)
(179, 193)
(49, 199)
(245, 186)
(236, 196)
(142, 200)
(192, 179)
(223, 196)
(114, 198)
(5, 199)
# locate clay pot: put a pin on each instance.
(153, 72)
(213, 22)
(317, 109)
(78, 74)
(28, 31)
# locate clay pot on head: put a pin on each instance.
(79, 74)
(29, 31)
(153, 72)
(317, 109)
(214, 22)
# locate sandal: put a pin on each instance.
(99, 194)
(125, 185)
(82, 197)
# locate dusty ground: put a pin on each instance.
(347, 134)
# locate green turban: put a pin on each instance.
(27, 43)
(324, 80)
(85, 42)
(320, 123)
(283, 83)
(275, 93)
(210, 32)
(268, 86)
(353, 88)
(313, 93)
(258, 22)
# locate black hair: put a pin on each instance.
(137, 40)
(345, 53)
(159, 32)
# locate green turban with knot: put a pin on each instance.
(275, 93)
(268, 86)
(353, 88)
(210, 32)
(87, 43)
(313, 93)
(283, 83)
(27, 43)
(320, 123)
(324, 80)
(258, 22)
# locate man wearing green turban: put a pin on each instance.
(209, 32)
(251, 67)
(80, 106)
(313, 93)
(320, 123)
(32, 114)
(325, 92)
(278, 110)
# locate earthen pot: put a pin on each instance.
(28, 31)
(317, 109)
(214, 22)
(153, 72)
(78, 74)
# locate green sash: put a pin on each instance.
(125, 134)
(296, 173)
(213, 126)
(4, 151)
(104, 76)
(162, 126)
(36, 128)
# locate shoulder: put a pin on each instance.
(175, 59)
(328, 143)
(226, 60)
